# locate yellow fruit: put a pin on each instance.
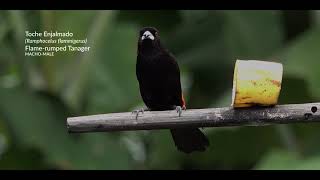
(256, 83)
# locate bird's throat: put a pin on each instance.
(148, 48)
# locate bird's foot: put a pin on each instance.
(179, 109)
(137, 111)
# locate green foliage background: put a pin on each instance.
(37, 94)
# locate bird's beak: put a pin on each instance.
(147, 35)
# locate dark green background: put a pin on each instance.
(37, 94)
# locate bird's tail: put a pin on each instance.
(189, 140)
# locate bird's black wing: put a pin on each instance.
(159, 81)
(172, 83)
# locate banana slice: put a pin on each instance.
(256, 83)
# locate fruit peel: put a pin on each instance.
(256, 83)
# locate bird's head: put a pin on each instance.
(149, 34)
(149, 38)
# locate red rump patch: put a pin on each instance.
(183, 102)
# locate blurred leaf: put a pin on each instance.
(230, 34)
(4, 29)
(113, 85)
(316, 17)
(294, 90)
(41, 126)
(230, 148)
(237, 148)
(208, 89)
(5, 138)
(308, 136)
(17, 158)
(76, 84)
(278, 159)
(19, 25)
(3, 144)
(309, 164)
(301, 60)
(224, 100)
(162, 153)
(197, 35)
(284, 160)
(252, 34)
(55, 68)
(208, 42)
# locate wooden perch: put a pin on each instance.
(211, 117)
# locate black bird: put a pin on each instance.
(158, 75)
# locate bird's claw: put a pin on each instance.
(137, 112)
(179, 109)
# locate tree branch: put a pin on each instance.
(211, 117)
